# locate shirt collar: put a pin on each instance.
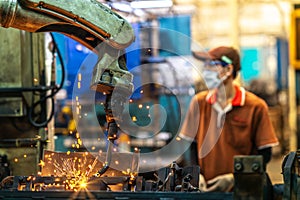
(238, 100)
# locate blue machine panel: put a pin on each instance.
(175, 35)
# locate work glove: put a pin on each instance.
(221, 183)
(202, 183)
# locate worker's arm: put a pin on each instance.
(265, 136)
(188, 133)
(189, 157)
(266, 153)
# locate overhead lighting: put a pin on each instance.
(122, 6)
(151, 4)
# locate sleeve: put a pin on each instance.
(265, 135)
(189, 128)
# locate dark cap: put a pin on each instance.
(219, 53)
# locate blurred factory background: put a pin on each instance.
(37, 116)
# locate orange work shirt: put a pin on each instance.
(241, 128)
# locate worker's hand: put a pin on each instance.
(221, 183)
(202, 183)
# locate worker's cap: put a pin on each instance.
(222, 53)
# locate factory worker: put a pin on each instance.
(225, 121)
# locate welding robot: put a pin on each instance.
(93, 25)
(90, 23)
(107, 34)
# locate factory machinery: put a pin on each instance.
(84, 175)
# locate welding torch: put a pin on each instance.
(111, 77)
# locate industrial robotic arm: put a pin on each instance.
(87, 21)
(93, 25)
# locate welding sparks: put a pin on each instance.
(83, 184)
(74, 169)
(76, 172)
(42, 163)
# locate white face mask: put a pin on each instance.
(212, 79)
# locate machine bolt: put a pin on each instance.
(238, 166)
(255, 167)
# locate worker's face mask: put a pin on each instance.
(212, 72)
(211, 79)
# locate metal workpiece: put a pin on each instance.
(87, 21)
(248, 164)
(251, 180)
